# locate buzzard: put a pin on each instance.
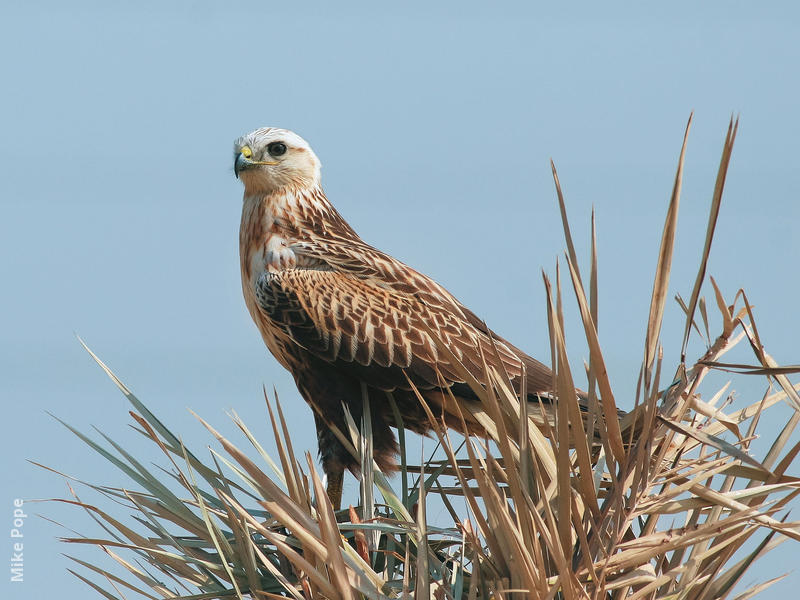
(344, 317)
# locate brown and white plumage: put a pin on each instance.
(338, 313)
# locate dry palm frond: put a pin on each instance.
(667, 502)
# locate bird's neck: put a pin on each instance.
(297, 212)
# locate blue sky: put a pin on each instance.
(434, 125)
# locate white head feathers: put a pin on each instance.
(269, 159)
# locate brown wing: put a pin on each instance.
(324, 237)
(366, 327)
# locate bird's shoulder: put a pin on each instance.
(319, 238)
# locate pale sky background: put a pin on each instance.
(120, 212)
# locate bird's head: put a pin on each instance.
(268, 159)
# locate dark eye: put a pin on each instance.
(276, 149)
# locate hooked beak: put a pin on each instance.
(244, 160)
(239, 164)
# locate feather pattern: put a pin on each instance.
(339, 313)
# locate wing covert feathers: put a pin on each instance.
(363, 326)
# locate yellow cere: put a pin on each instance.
(246, 152)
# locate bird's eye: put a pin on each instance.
(276, 149)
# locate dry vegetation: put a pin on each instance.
(669, 503)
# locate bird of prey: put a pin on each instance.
(344, 317)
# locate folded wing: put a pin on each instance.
(375, 332)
